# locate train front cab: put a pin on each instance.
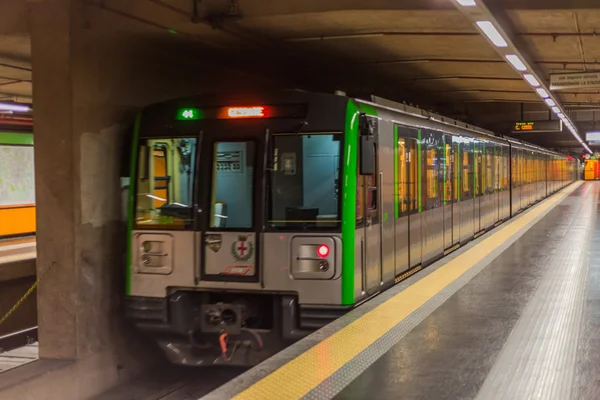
(235, 221)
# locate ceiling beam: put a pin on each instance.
(497, 35)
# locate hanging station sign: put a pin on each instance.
(583, 80)
(592, 137)
(537, 126)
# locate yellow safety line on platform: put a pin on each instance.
(302, 374)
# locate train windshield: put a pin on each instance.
(165, 183)
(304, 181)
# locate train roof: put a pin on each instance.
(446, 124)
(463, 127)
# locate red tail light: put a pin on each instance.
(323, 251)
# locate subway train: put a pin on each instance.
(17, 186)
(256, 219)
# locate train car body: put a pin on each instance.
(17, 188)
(255, 220)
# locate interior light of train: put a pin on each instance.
(543, 93)
(323, 251)
(492, 33)
(556, 110)
(531, 79)
(188, 114)
(550, 102)
(561, 115)
(516, 62)
(466, 3)
(246, 112)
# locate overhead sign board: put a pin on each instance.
(537, 126)
(583, 80)
(592, 137)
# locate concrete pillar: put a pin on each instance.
(90, 76)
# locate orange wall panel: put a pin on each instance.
(16, 220)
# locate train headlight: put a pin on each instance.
(146, 247)
(153, 253)
(323, 265)
(314, 257)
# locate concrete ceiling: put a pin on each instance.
(421, 51)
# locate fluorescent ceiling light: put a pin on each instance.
(466, 3)
(561, 115)
(531, 79)
(14, 107)
(516, 62)
(492, 33)
(543, 93)
(556, 110)
(550, 102)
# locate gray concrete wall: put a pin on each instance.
(90, 77)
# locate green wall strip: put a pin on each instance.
(419, 172)
(349, 202)
(396, 172)
(131, 200)
(25, 139)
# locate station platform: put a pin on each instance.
(20, 249)
(514, 314)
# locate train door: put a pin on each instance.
(229, 230)
(448, 199)
(415, 224)
(497, 182)
(456, 216)
(404, 205)
(370, 190)
(478, 203)
(466, 192)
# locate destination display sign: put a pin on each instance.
(537, 126)
(583, 80)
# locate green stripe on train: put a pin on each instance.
(349, 201)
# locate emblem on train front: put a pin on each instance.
(242, 249)
(214, 242)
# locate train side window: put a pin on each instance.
(497, 168)
(505, 169)
(489, 168)
(412, 176)
(432, 178)
(402, 177)
(514, 169)
(456, 174)
(448, 173)
(360, 198)
(478, 169)
(467, 170)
